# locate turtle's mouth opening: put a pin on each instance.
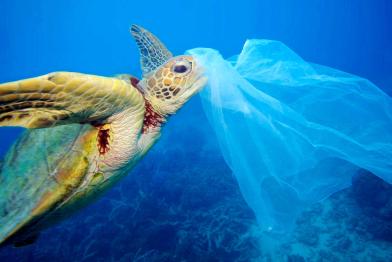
(200, 79)
(200, 82)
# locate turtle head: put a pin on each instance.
(168, 82)
(171, 85)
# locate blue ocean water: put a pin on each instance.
(187, 206)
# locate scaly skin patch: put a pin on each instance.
(164, 85)
(172, 84)
(63, 98)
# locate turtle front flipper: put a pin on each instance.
(64, 98)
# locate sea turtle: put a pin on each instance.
(85, 132)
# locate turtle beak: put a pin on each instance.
(201, 78)
(200, 81)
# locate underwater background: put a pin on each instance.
(182, 203)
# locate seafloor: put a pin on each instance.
(182, 204)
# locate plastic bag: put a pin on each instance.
(293, 132)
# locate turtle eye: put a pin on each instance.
(182, 66)
(180, 69)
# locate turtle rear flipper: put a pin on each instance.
(20, 240)
(26, 241)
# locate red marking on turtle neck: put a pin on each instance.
(151, 118)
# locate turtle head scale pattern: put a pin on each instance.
(168, 82)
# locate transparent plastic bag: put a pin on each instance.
(293, 132)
